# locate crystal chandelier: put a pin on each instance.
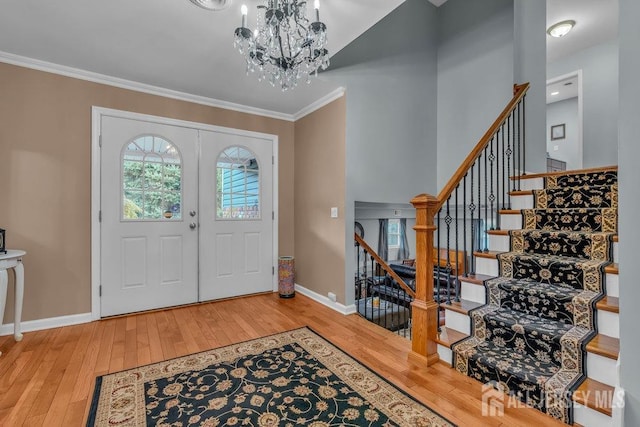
(285, 46)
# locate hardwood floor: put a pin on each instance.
(48, 378)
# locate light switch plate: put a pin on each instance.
(334, 212)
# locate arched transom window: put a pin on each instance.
(237, 184)
(151, 180)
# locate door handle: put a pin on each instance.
(192, 226)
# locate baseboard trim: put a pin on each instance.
(48, 323)
(340, 308)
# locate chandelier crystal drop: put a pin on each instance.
(285, 46)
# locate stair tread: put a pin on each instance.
(608, 303)
(476, 279)
(577, 171)
(521, 193)
(498, 232)
(463, 306)
(604, 345)
(448, 336)
(528, 322)
(611, 268)
(506, 233)
(590, 394)
(500, 354)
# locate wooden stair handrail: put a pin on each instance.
(385, 266)
(518, 93)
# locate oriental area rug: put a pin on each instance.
(294, 378)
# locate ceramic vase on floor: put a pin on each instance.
(286, 282)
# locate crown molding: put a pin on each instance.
(338, 93)
(49, 67)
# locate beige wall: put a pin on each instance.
(45, 177)
(320, 185)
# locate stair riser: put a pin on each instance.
(602, 369)
(613, 287)
(489, 266)
(588, 417)
(473, 292)
(500, 243)
(511, 221)
(522, 202)
(458, 321)
(609, 323)
(445, 354)
(532, 184)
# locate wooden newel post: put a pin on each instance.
(424, 308)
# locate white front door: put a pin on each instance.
(236, 215)
(149, 240)
(186, 214)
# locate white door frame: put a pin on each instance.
(96, 118)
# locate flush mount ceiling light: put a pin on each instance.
(561, 28)
(212, 4)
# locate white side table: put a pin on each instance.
(12, 259)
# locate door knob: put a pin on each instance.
(192, 226)
(192, 213)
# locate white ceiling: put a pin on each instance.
(596, 22)
(562, 89)
(170, 44)
(175, 45)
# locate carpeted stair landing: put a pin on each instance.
(529, 339)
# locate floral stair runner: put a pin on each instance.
(529, 339)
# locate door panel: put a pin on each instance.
(149, 253)
(236, 223)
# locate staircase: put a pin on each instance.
(538, 318)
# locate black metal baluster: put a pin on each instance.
(486, 204)
(456, 296)
(371, 296)
(472, 208)
(492, 197)
(524, 136)
(508, 153)
(447, 220)
(464, 223)
(505, 183)
(478, 230)
(358, 273)
(437, 273)
(519, 148)
(498, 171)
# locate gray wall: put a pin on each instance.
(530, 58)
(566, 112)
(629, 177)
(475, 75)
(599, 65)
(390, 77)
